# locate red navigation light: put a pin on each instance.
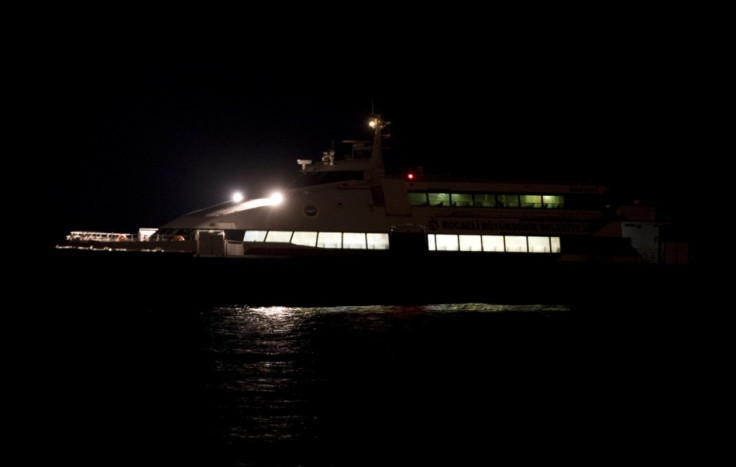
(636, 201)
(410, 176)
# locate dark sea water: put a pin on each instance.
(125, 381)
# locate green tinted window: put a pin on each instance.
(508, 201)
(531, 201)
(417, 199)
(462, 199)
(553, 201)
(439, 199)
(485, 200)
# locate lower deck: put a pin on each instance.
(276, 243)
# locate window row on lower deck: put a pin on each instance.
(494, 243)
(340, 240)
(435, 242)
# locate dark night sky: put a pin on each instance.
(142, 125)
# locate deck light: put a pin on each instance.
(276, 198)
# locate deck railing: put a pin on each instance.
(90, 236)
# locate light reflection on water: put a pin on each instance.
(240, 384)
(275, 371)
(280, 311)
(257, 371)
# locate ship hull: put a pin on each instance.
(386, 278)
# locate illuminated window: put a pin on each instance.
(553, 201)
(531, 201)
(446, 242)
(515, 243)
(282, 236)
(555, 242)
(353, 241)
(485, 200)
(329, 240)
(461, 199)
(470, 243)
(493, 243)
(539, 244)
(417, 199)
(254, 236)
(304, 238)
(431, 245)
(508, 201)
(439, 199)
(377, 241)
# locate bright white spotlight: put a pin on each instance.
(273, 200)
(276, 198)
(238, 197)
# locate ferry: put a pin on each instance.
(350, 232)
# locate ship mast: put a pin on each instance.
(376, 170)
